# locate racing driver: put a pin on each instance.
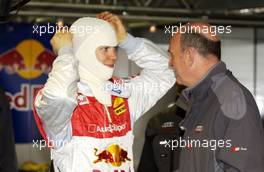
(85, 116)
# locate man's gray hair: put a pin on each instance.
(202, 44)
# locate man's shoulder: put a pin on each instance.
(232, 97)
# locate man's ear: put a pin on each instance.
(189, 56)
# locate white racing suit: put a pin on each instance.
(87, 136)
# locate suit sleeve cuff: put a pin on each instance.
(131, 44)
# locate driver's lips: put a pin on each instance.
(110, 63)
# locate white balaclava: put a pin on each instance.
(89, 34)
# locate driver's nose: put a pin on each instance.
(112, 54)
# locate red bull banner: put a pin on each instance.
(25, 60)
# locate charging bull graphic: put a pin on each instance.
(44, 61)
(29, 59)
(12, 61)
(114, 155)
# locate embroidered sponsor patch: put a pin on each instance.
(113, 154)
(117, 102)
(116, 90)
(111, 128)
(237, 149)
(119, 106)
(168, 124)
(198, 128)
(82, 100)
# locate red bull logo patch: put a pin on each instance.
(113, 155)
(119, 106)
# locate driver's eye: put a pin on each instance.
(169, 54)
(105, 49)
